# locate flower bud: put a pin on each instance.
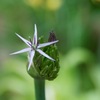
(45, 68)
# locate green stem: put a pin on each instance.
(39, 89)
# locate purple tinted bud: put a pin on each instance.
(52, 37)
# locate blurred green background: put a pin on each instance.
(76, 24)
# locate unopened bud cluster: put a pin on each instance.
(45, 68)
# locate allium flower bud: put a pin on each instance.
(45, 68)
(40, 64)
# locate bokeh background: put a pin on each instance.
(76, 24)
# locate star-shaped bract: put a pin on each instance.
(34, 46)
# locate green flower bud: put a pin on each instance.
(45, 68)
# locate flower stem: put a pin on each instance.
(39, 89)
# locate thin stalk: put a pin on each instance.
(39, 89)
